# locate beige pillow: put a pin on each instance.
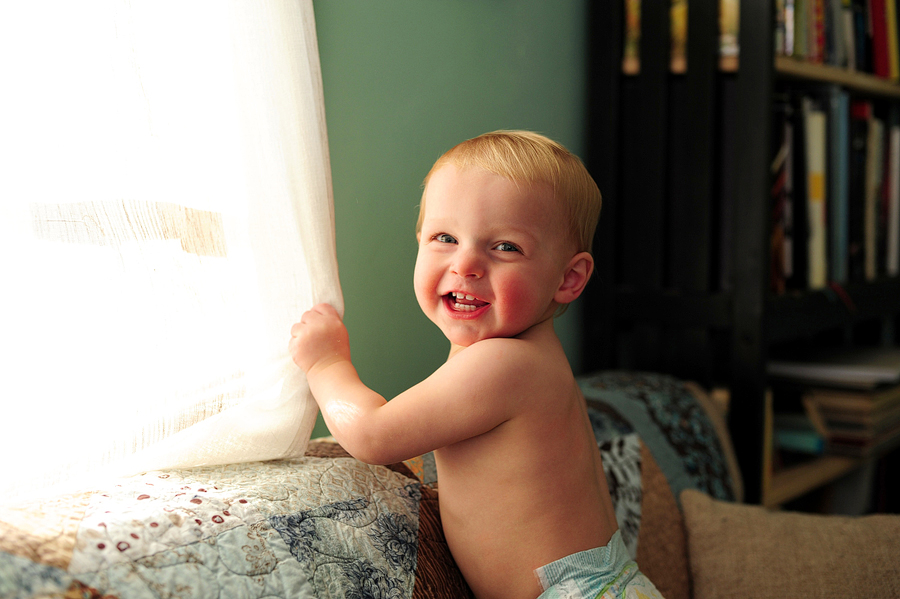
(738, 550)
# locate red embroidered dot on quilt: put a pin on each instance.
(122, 546)
(218, 519)
(101, 545)
(196, 500)
(143, 497)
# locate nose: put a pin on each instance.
(467, 262)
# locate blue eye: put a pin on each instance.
(444, 238)
(507, 247)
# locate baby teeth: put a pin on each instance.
(464, 307)
(463, 296)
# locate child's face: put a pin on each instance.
(491, 255)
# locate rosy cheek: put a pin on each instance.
(424, 282)
(513, 296)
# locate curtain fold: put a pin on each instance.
(166, 216)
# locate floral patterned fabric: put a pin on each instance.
(311, 527)
(669, 419)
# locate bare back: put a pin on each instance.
(531, 490)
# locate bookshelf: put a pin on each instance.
(683, 246)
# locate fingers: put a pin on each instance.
(325, 309)
(313, 313)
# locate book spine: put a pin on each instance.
(839, 187)
(816, 161)
(891, 21)
(874, 179)
(861, 115)
(781, 243)
(881, 65)
(893, 212)
(809, 442)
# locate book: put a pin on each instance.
(816, 51)
(795, 433)
(855, 422)
(861, 114)
(890, 9)
(799, 441)
(815, 121)
(801, 28)
(874, 179)
(892, 266)
(860, 426)
(798, 276)
(838, 183)
(853, 403)
(729, 34)
(862, 47)
(854, 368)
(880, 44)
(780, 27)
(888, 183)
(781, 241)
(678, 13)
(849, 34)
(631, 52)
(840, 33)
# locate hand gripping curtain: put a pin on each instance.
(165, 216)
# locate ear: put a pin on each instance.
(577, 274)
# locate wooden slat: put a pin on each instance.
(691, 155)
(643, 162)
(605, 38)
(748, 354)
(691, 168)
(643, 189)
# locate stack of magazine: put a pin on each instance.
(851, 401)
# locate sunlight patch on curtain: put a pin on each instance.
(166, 216)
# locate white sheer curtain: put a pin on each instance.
(165, 216)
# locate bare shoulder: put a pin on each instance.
(509, 354)
(508, 365)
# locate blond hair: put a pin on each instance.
(523, 156)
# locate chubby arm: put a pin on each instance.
(462, 399)
(321, 347)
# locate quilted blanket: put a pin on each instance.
(319, 526)
(329, 526)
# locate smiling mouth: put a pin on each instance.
(462, 302)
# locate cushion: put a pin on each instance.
(684, 444)
(661, 546)
(682, 427)
(746, 551)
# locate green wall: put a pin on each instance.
(404, 81)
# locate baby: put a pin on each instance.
(505, 230)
